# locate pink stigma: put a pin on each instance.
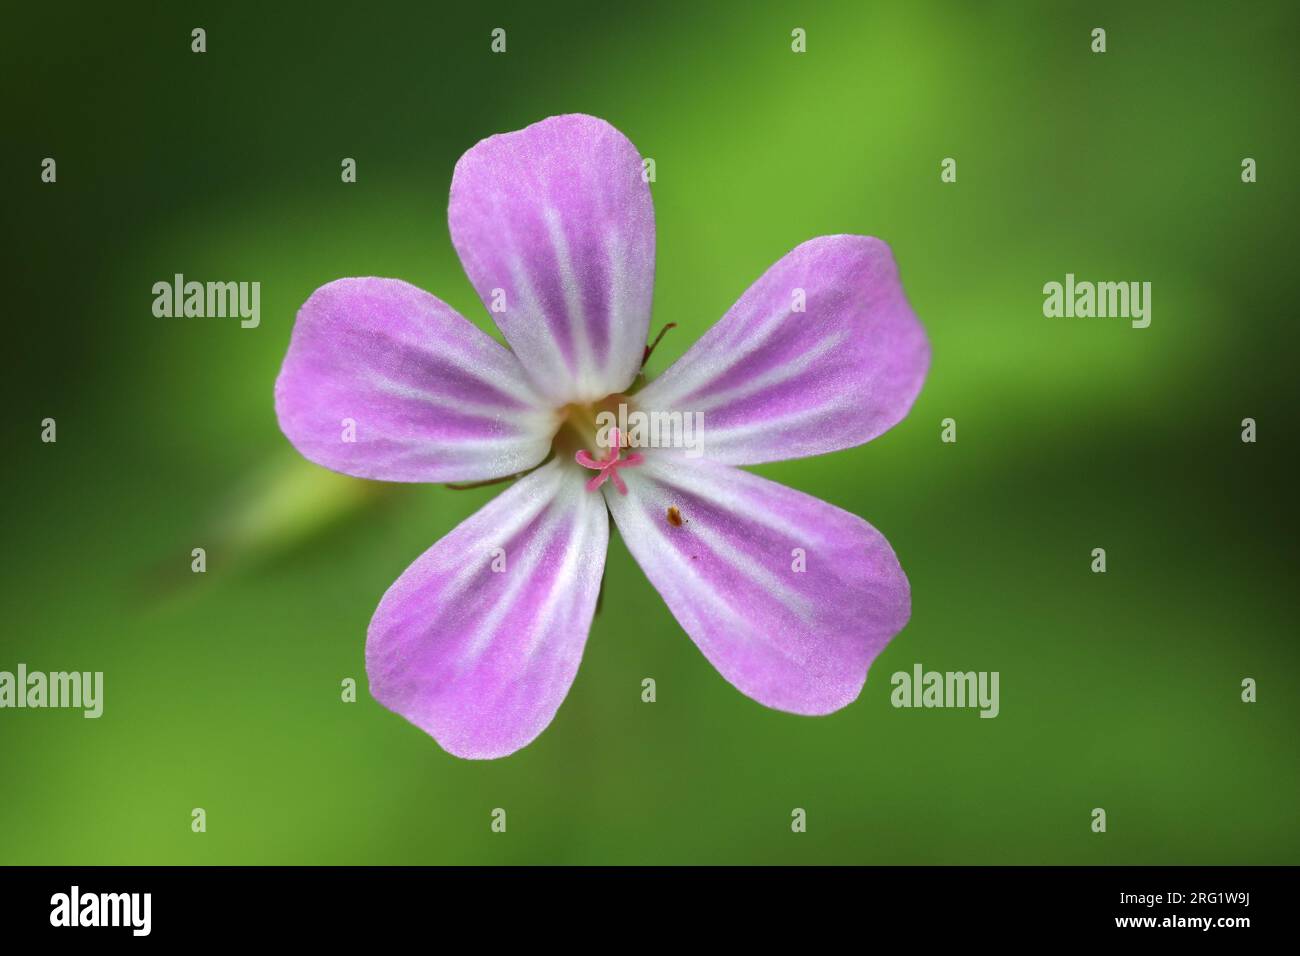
(610, 466)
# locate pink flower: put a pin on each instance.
(478, 641)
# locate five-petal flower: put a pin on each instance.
(479, 640)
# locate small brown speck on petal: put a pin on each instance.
(674, 516)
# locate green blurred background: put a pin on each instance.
(222, 691)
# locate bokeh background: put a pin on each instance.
(1119, 691)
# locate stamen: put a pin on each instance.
(608, 467)
(655, 344)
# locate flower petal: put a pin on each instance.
(479, 640)
(727, 561)
(383, 380)
(773, 382)
(555, 227)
